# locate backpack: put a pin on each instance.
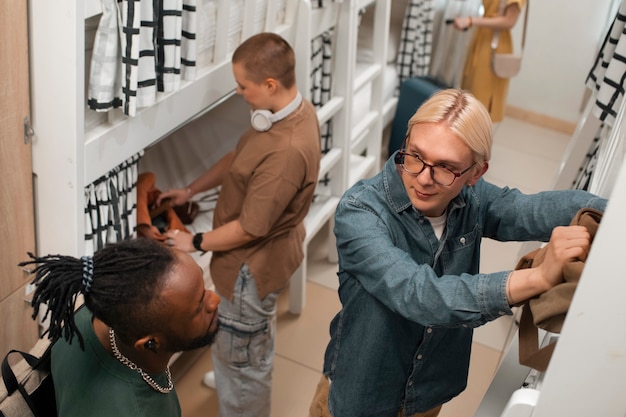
(27, 389)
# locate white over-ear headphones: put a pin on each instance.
(262, 120)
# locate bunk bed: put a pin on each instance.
(76, 148)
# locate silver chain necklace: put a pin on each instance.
(123, 359)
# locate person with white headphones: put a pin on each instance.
(267, 185)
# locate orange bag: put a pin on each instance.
(153, 221)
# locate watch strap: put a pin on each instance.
(197, 242)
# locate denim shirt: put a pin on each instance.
(403, 337)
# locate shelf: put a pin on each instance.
(109, 144)
(360, 167)
(319, 213)
(92, 8)
(365, 73)
(324, 18)
(361, 130)
(329, 160)
(389, 110)
(282, 30)
(329, 109)
(362, 4)
(76, 146)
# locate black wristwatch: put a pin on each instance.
(197, 242)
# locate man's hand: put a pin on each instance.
(150, 231)
(567, 243)
(180, 240)
(179, 196)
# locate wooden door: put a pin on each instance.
(17, 230)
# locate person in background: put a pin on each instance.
(267, 186)
(143, 302)
(478, 78)
(409, 241)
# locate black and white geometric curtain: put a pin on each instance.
(321, 81)
(415, 40)
(607, 78)
(141, 48)
(608, 73)
(111, 206)
(429, 46)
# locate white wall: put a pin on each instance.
(562, 40)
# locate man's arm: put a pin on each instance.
(567, 243)
(210, 179)
(226, 237)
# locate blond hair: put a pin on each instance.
(466, 117)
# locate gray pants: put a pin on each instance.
(243, 353)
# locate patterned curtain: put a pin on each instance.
(415, 40)
(321, 86)
(143, 52)
(608, 73)
(321, 81)
(110, 206)
(105, 78)
(608, 78)
(188, 48)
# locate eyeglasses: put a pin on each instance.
(414, 165)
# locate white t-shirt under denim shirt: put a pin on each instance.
(438, 224)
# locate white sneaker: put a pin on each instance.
(209, 379)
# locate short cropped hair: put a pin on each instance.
(466, 117)
(267, 55)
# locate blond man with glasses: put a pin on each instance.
(408, 241)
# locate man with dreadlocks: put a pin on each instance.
(143, 302)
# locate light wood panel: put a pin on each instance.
(16, 201)
(540, 119)
(19, 330)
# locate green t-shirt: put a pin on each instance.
(93, 383)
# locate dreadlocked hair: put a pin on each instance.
(124, 293)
